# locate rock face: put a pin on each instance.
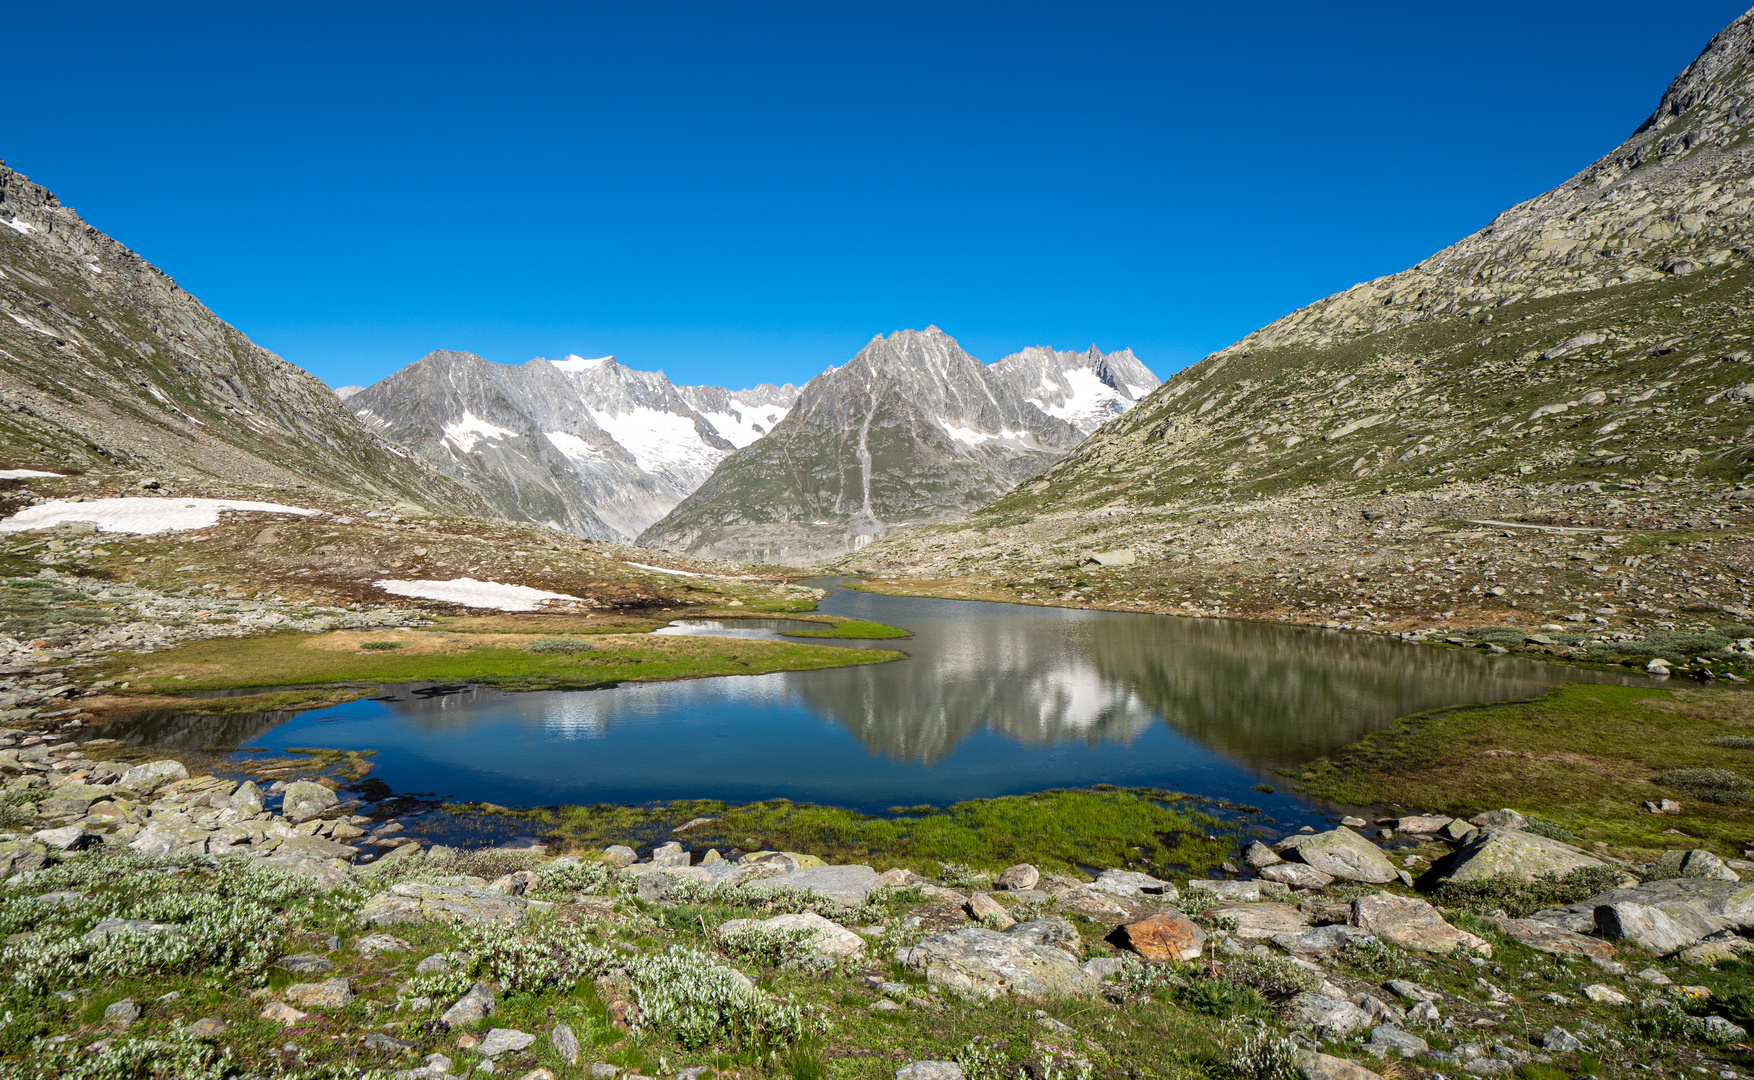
(911, 430)
(1342, 853)
(591, 446)
(104, 361)
(982, 963)
(1522, 855)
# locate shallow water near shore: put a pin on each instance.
(993, 699)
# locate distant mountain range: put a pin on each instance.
(912, 430)
(585, 445)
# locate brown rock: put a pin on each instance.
(328, 994)
(1320, 1066)
(1021, 876)
(986, 909)
(207, 1027)
(285, 1014)
(623, 1014)
(1161, 936)
(1550, 939)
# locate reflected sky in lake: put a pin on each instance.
(993, 699)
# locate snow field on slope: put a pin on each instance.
(465, 433)
(140, 516)
(659, 441)
(1090, 404)
(738, 428)
(471, 593)
(24, 474)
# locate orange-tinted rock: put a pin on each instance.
(1163, 935)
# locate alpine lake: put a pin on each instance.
(992, 699)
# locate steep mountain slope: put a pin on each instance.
(586, 445)
(911, 430)
(1584, 358)
(106, 363)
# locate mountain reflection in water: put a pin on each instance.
(993, 698)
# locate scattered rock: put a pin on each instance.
(1385, 1038)
(306, 964)
(503, 1040)
(1296, 875)
(1330, 1017)
(471, 1008)
(849, 885)
(983, 963)
(828, 939)
(376, 1040)
(1021, 876)
(413, 901)
(1549, 939)
(1645, 925)
(1055, 933)
(376, 944)
(283, 1014)
(328, 994)
(152, 775)
(929, 1070)
(1258, 922)
(68, 838)
(1412, 923)
(1410, 991)
(1722, 1030)
(1495, 850)
(305, 800)
(1698, 863)
(122, 1013)
(1500, 819)
(1561, 1041)
(1423, 824)
(1162, 936)
(208, 1027)
(1603, 994)
(1320, 1066)
(1131, 883)
(1322, 939)
(985, 909)
(1342, 853)
(566, 1044)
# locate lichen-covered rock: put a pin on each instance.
(153, 775)
(1342, 853)
(305, 800)
(1697, 863)
(415, 901)
(1131, 883)
(1295, 875)
(1021, 876)
(1493, 850)
(472, 1007)
(1258, 922)
(982, 963)
(1319, 1066)
(1645, 925)
(828, 939)
(328, 994)
(1552, 940)
(850, 885)
(1330, 1017)
(1411, 923)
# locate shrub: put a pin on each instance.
(1499, 635)
(1710, 785)
(559, 645)
(1263, 1055)
(768, 946)
(1220, 997)
(381, 646)
(1375, 957)
(1734, 742)
(699, 1001)
(1673, 643)
(1517, 898)
(962, 876)
(1271, 977)
(1551, 831)
(565, 879)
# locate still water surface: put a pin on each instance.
(993, 699)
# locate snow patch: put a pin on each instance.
(746, 423)
(658, 441)
(24, 228)
(471, 429)
(25, 474)
(1087, 402)
(141, 516)
(971, 437)
(663, 570)
(572, 365)
(472, 593)
(572, 446)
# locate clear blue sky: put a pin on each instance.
(747, 192)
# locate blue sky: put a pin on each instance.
(743, 193)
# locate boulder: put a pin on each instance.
(1295, 875)
(1648, 927)
(248, 799)
(1387, 1038)
(1698, 863)
(1455, 830)
(305, 800)
(282, 1013)
(72, 800)
(1162, 936)
(1560, 1041)
(69, 838)
(416, 901)
(1491, 851)
(1342, 853)
(1550, 939)
(1131, 883)
(1021, 876)
(471, 1008)
(1412, 923)
(929, 1070)
(983, 908)
(1720, 1030)
(1055, 933)
(1235, 891)
(565, 1043)
(208, 1027)
(1322, 939)
(374, 944)
(620, 856)
(328, 873)
(1330, 1017)
(328, 994)
(670, 854)
(1499, 819)
(1699, 907)
(982, 963)
(828, 939)
(502, 1041)
(849, 885)
(306, 964)
(1423, 824)
(153, 775)
(1319, 1066)
(122, 1013)
(1258, 922)
(1603, 994)
(1259, 855)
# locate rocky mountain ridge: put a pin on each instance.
(1583, 362)
(105, 363)
(912, 430)
(589, 446)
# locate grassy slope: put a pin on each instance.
(1582, 757)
